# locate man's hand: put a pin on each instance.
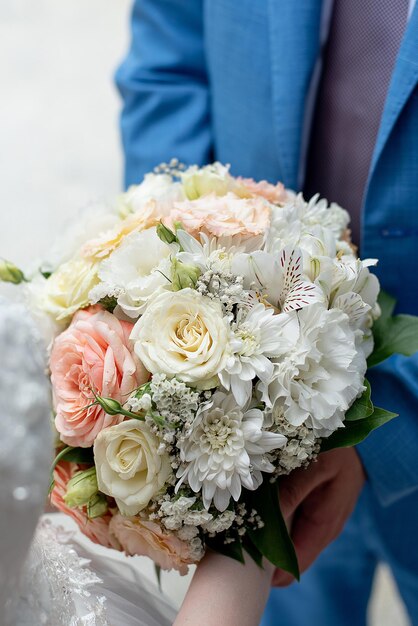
(320, 499)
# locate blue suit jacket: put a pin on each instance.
(229, 80)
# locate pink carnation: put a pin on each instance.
(139, 537)
(222, 215)
(273, 193)
(92, 355)
(95, 529)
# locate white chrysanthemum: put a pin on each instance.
(139, 269)
(321, 376)
(214, 253)
(258, 335)
(279, 278)
(226, 450)
(298, 218)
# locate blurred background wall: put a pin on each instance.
(60, 150)
(59, 146)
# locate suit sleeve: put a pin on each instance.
(390, 453)
(164, 87)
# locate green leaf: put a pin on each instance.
(109, 303)
(253, 552)
(355, 431)
(362, 407)
(387, 305)
(393, 334)
(233, 549)
(74, 455)
(83, 456)
(272, 540)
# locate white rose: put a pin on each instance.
(183, 334)
(128, 466)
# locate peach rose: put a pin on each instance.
(95, 529)
(139, 537)
(92, 355)
(273, 193)
(222, 215)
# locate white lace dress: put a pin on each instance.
(57, 577)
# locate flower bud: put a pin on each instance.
(166, 234)
(113, 407)
(97, 506)
(81, 488)
(315, 268)
(110, 406)
(9, 273)
(183, 276)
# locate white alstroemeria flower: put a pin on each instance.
(319, 378)
(159, 188)
(279, 279)
(225, 450)
(258, 335)
(137, 270)
(351, 274)
(345, 251)
(214, 253)
(355, 291)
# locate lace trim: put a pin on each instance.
(57, 586)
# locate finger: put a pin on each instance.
(319, 521)
(295, 488)
(315, 525)
(282, 579)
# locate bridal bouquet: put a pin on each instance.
(210, 334)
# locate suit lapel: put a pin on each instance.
(403, 82)
(294, 43)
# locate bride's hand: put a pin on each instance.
(224, 592)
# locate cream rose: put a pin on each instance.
(128, 465)
(183, 334)
(67, 289)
